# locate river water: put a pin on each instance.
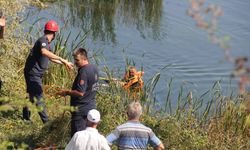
(155, 34)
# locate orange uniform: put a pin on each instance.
(133, 80)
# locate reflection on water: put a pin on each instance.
(145, 14)
(100, 16)
(136, 25)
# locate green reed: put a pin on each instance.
(168, 104)
(209, 121)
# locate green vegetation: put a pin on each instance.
(194, 123)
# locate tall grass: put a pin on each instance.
(195, 119)
(209, 121)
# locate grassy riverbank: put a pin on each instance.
(195, 123)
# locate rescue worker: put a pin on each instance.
(83, 90)
(35, 66)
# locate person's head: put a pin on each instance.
(134, 111)
(80, 57)
(132, 71)
(50, 28)
(241, 61)
(93, 118)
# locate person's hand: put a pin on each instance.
(69, 65)
(63, 93)
(2, 21)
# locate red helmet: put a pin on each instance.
(51, 25)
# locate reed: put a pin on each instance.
(207, 121)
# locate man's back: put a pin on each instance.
(88, 139)
(133, 135)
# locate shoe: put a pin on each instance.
(27, 121)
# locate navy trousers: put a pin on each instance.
(78, 122)
(34, 88)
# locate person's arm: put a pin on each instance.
(49, 54)
(113, 136)
(104, 142)
(74, 93)
(155, 141)
(2, 21)
(140, 73)
(159, 147)
(81, 86)
(56, 59)
(73, 144)
(2, 25)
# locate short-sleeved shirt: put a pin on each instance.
(88, 139)
(133, 135)
(36, 64)
(86, 82)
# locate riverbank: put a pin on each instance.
(223, 123)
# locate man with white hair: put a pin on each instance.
(133, 134)
(89, 139)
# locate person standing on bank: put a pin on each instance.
(2, 25)
(35, 66)
(89, 139)
(83, 90)
(133, 134)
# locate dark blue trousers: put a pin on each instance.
(39, 103)
(34, 88)
(78, 122)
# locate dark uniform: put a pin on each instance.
(35, 66)
(85, 82)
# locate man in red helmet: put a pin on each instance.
(35, 66)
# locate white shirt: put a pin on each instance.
(88, 139)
